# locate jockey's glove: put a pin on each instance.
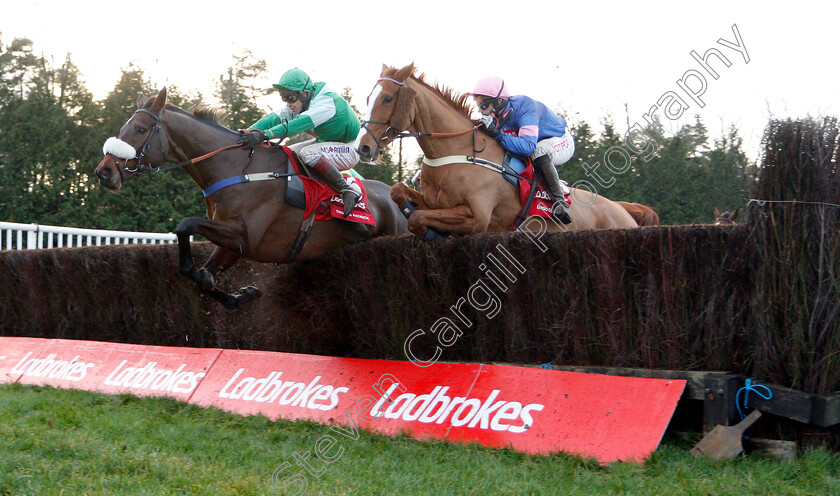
(489, 124)
(492, 130)
(253, 138)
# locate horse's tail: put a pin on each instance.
(642, 214)
(648, 218)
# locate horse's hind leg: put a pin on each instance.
(221, 258)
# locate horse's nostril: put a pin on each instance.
(104, 173)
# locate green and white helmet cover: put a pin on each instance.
(295, 80)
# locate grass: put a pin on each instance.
(67, 442)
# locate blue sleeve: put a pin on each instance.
(525, 122)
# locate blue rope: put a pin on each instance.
(548, 365)
(750, 387)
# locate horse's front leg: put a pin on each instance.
(230, 240)
(455, 220)
(401, 194)
(220, 260)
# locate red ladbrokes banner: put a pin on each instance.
(12, 351)
(115, 367)
(531, 410)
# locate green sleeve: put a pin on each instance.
(297, 125)
(275, 127)
(266, 122)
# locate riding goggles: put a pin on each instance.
(486, 103)
(290, 98)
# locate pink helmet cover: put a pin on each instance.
(492, 86)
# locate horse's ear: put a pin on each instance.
(734, 215)
(717, 214)
(384, 68)
(405, 72)
(141, 101)
(401, 118)
(160, 101)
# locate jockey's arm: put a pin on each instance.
(527, 127)
(524, 144)
(283, 123)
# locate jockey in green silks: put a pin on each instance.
(317, 109)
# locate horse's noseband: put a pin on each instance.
(143, 149)
(380, 141)
(154, 132)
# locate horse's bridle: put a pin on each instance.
(139, 154)
(400, 134)
(138, 157)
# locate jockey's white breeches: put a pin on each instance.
(341, 155)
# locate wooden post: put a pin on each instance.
(719, 400)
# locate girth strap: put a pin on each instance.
(244, 178)
(466, 159)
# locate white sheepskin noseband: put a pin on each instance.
(119, 149)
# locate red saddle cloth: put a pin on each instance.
(542, 204)
(326, 204)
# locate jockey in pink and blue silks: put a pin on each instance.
(526, 127)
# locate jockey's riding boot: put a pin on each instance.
(350, 193)
(552, 183)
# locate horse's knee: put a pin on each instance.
(417, 222)
(399, 193)
(187, 227)
(480, 222)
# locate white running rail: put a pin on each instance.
(14, 236)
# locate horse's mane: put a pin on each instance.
(459, 102)
(203, 112)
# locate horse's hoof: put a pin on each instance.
(205, 282)
(248, 294)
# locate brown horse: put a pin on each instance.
(642, 214)
(462, 196)
(247, 219)
(726, 218)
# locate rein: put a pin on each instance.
(193, 160)
(138, 157)
(433, 135)
(139, 154)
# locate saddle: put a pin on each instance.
(295, 194)
(305, 191)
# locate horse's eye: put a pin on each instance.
(388, 99)
(141, 130)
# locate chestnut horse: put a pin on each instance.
(246, 219)
(642, 214)
(460, 197)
